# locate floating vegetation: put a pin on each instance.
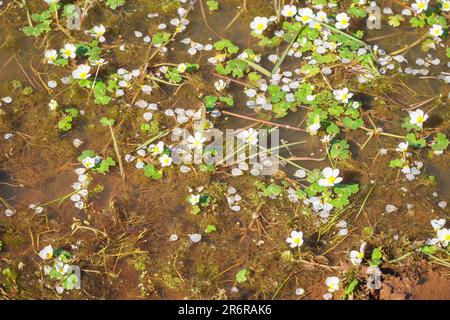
(224, 149)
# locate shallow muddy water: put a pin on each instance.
(133, 238)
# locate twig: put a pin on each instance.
(116, 149)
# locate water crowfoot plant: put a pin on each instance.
(150, 117)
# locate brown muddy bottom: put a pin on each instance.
(121, 241)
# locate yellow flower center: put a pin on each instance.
(421, 5)
(331, 179)
(447, 237)
(260, 26)
(344, 21)
(83, 75)
(420, 119)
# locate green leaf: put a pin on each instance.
(210, 102)
(350, 288)
(228, 100)
(160, 37)
(440, 142)
(114, 4)
(241, 276)
(100, 92)
(107, 122)
(357, 12)
(396, 163)
(418, 22)
(377, 255)
(395, 20)
(272, 190)
(226, 44)
(429, 250)
(151, 172)
(340, 150)
(333, 129)
(213, 5)
(85, 154)
(414, 142)
(352, 124)
(346, 190)
(104, 166)
(210, 228)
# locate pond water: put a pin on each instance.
(133, 236)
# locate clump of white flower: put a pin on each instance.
(442, 234)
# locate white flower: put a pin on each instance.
(46, 253)
(314, 127)
(182, 67)
(220, 85)
(69, 51)
(147, 89)
(342, 21)
(296, 239)
(156, 149)
(79, 205)
(444, 236)
(305, 15)
(165, 160)
(420, 5)
(259, 24)
(299, 291)
(62, 267)
(288, 11)
(52, 105)
(194, 199)
(98, 32)
(50, 2)
(99, 62)
(436, 30)
(418, 117)
(402, 147)
(249, 136)
(81, 72)
(332, 283)
(321, 16)
(342, 95)
(196, 141)
(88, 162)
(9, 212)
(446, 6)
(437, 224)
(357, 256)
(331, 177)
(50, 56)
